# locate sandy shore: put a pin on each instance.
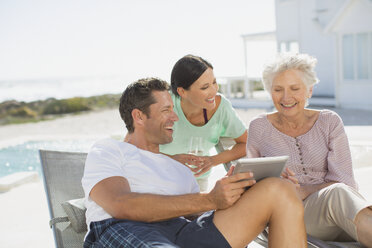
(24, 212)
(93, 124)
(99, 124)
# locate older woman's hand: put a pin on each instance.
(291, 176)
(303, 191)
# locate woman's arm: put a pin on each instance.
(193, 162)
(236, 152)
(339, 156)
(306, 189)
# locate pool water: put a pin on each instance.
(25, 157)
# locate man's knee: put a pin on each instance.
(280, 190)
(276, 186)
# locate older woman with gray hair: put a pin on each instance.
(319, 154)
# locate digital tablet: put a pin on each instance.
(261, 167)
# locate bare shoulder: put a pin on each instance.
(218, 101)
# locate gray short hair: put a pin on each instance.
(286, 61)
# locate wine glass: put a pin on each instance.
(196, 146)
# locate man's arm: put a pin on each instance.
(115, 197)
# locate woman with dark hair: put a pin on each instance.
(202, 113)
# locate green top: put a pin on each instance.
(224, 123)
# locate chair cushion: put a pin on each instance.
(75, 210)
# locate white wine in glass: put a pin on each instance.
(196, 146)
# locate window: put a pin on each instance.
(362, 55)
(289, 46)
(356, 59)
(348, 56)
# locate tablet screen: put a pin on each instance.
(262, 167)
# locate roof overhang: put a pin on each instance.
(271, 35)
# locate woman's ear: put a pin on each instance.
(180, 91)
(310, 92)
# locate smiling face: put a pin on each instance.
(158, 126)
(289, 93)
(202, 93)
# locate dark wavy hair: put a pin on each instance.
(186, 71)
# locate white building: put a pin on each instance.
(339, 34)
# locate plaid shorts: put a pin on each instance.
(177, 232)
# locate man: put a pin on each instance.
(138, 197)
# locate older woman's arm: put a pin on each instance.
(339, 157)
(339, 163)
(305, 190)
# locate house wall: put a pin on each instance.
(318, 26)
(303, 21)
(357, 18)
(287, 26)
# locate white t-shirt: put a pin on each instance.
(145, 171)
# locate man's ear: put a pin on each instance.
(138, 117)
(181, 91)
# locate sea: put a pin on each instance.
(25, 156)
(60, 88)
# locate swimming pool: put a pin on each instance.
(25, 157)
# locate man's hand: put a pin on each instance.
(230, 188)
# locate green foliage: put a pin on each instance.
(104, 101)
(24, 112)
(64, 106)
(13, 112)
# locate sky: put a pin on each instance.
(134, 39)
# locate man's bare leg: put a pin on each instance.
(272, 202)
(363, 222)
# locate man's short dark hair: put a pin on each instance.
(138, 95)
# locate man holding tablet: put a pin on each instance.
(262, 167)
(138, 197)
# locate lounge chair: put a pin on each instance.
(62, 173)
(262, 239)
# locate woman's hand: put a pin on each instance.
(303, 191)
(291, 176)
(205, 165)
(194, 163)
